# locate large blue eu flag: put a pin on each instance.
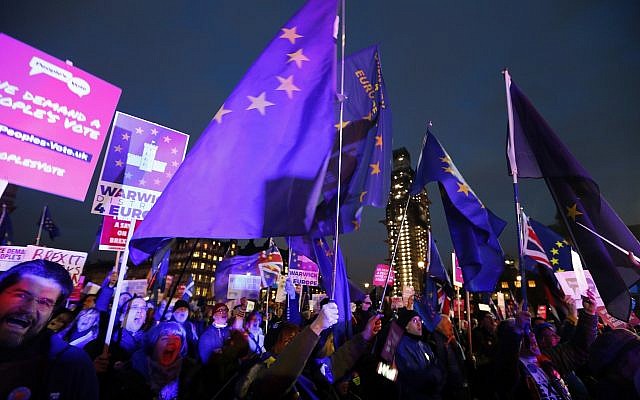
(258, 168)
(539, 153)
(474, 229)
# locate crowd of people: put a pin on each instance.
(48, 351)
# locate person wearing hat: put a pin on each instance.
(214, 337)
(180, 315)
(419, 373)
(614, 361)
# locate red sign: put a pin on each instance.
(77, 289)
(382, 270)
(114, 234)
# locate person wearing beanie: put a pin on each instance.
(614, 361)
(419, 373)
(214, 337)
(180, 315)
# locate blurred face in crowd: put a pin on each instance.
(181, 314)
(489, 323)
(167, 349)
(89, 302)
(414, 326)
(87, 319)
(136, 315)
(548, 339)
(60, 321)
(253, 323)
(366, 303)
(445, 327)
(220, 316)
(25, 308)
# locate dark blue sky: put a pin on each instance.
(578, 62)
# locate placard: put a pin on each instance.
(54, 120)
(11, 255)
(73, 261)
(114, 234)
(380, 274)
(571, 287)
(140, 160)
(458, 278)
(304, 272)
(243, 286)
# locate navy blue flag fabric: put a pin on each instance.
(435, 282)
(474, 229)
(539, 153)
(6, 228)
(48, 224)
(160, 267)
(188, 288)
(366, 147)
(321, 253)
(258, 168)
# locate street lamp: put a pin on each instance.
(366, 285)
(420, 264)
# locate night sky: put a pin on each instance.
(577, 61)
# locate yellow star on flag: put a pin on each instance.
(555, 251)
(554, 261)
(559, 244)
(362, 194)
(291, 34)
(298, 57)
(445, 159)
(379, 141)
(221, 113)
(375, 168)
(287, 85)
(572, 212)
(344, 124)
(560, 270)
(356, 224)
(259, 103)
(449, 170)
(462, 187)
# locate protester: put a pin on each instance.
(362, 314)
(254, 332)
(61, 320)
(420, 375)
(128, 338)
(615, 363)
(569, 356)
(484, 341)
(180, 315)
(83, 329)
(212, 340)
(451, 357)
(281, 375)
(159, 370)
(34, 362)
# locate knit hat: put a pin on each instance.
(404, 316)
(219, 306)
(539, 328)
(608, 347)
(181, 304)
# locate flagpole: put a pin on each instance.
(175, 287)
(514, 173)
(4, 212)
(341, 99)
(404, 216)
(628, 253)
(44, 211)
(118, 291)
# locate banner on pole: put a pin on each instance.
(114, 233)
(140, 160)
(458, 279)
(380, 275)
(73, 261)
(243, 286)
(304, 272)
(11, 255)
(54, 119)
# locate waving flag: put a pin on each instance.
(188, 288)
(270, 265)
(366, 147)
(257, 169)
(48, 224)
(239, 265)
(539, 153)
(474, 229)
(437, 289)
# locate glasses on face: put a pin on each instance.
(43, 304)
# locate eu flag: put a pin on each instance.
(48, 224)
(539, 153)
(437, 284)
(319, 251)
(366, 147)
(257, 169)
(240, 265)
(474, 229)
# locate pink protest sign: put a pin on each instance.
(53, 121)
(458, 279)
(114, 233)
(380, 275)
